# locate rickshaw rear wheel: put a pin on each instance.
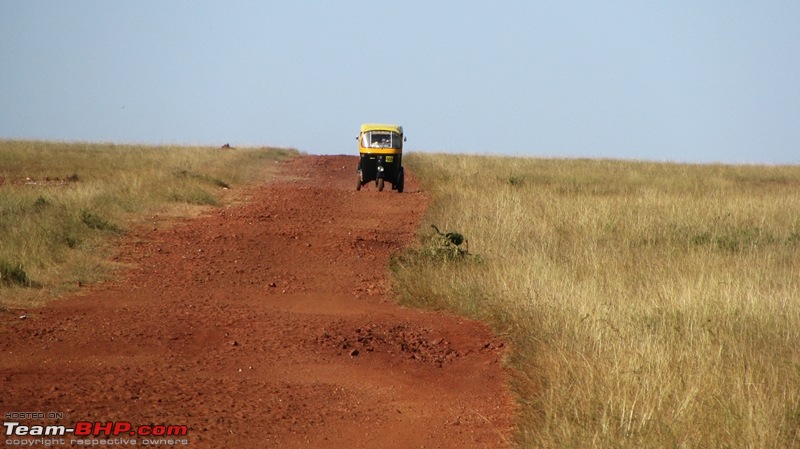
(380, 184)
(358, 183)
(400, 180)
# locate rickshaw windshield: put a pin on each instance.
(381, 139)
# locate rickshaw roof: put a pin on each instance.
(381, 127)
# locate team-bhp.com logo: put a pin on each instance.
(88, 433)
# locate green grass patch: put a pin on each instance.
(202, 177)
(14, 274)
(94, 221)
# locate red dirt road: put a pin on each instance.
(265, 325)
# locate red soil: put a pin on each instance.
(266, 324)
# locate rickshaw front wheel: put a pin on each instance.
(380, 184)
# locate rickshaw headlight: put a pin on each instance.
(380, 168)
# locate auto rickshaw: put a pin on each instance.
(380, 149)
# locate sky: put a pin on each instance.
(685, 81)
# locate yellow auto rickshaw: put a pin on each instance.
(380, 149)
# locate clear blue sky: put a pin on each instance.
(699, 81)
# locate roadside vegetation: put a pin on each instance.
(647, 304)
(63, 204)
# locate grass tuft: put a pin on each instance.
(198, 197)
(13, 274)
(203, 177)
(40, 203)
(94, 221)
(515, 180)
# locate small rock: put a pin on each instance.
(354, 353)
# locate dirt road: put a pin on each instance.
(264, 325)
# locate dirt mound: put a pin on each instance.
(265, 325)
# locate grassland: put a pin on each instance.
(63, 204)
(648, 304)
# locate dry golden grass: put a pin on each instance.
(61, 204)
(649, 304)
